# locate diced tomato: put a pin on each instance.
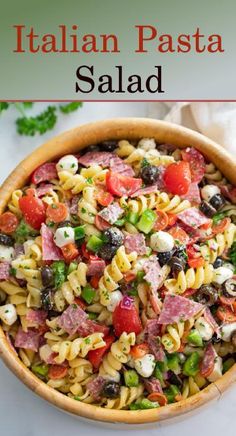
(94, 281)
(196, 263)
(96, 356)
(57, 371)
(228, 301)
(161, 221)
(172, 218)
(33, 209)
(104, 198)
(129, 276)
(158, 397)
(70, 252)
(126, 320)
(221, 226)
(101, 224)
(179, 234)
(88, 254)
(225, 314)
(57, 212)
(8, 222)
(207, 225)
(140, 350)
(191, 252)
(177, 178)
(122, 185)
(80, 302)
(44, 173)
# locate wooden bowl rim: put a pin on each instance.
(69, 142)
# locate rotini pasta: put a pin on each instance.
(79, 347)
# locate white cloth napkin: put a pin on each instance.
(216, 120)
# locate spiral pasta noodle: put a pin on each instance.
(191, 279)
(212, 174)
(171, 340)
(126, 397)
(87, 205)
(215, 247)
(113, 273)
(72, 287)
(13, 205)
(78, 347)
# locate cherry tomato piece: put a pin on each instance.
(122, 185)
(96, 356)
(33, 209)
(177, 178)
(126, 319)
(172, 218)
(221, 226)
(140, 350)
(179, 233)
(225, 314)
(57, 371)
(70, 252)
(104, 198)
(161, 221)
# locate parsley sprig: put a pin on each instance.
(45, 121)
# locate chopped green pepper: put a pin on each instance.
(92, 315)
(79, 232)
(41, 370)
(94, 243)
(191, 365)
(195, 338)
(173, 363)
(120, 223)
(72, 267)
(131, 378)
(23, 232)
(147, 221)
(171, 393)
(158, 374)
(60, 271)
(88, 294)
(144, 404)
(132, 217)
(140, 275)
(228, 364)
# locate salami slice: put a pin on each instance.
(72, 318)
(145, 191)
(107, 160)
(152, 334)
(101, 224)
(36, 317)
(193, 218)
(207, 363)
(95, 387)
(196, 162)
(135, 243)
(153, 273)
(49, 249)
(229, 192)
(88, 327)
(153, 385)
(111, 213)
(117, 165)
(45, 188)
(4, 270)
(28, 340)
(176, 308)
(96, 267)
(193, 194)
(45, 172)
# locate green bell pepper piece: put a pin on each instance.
(92, 315)
(120, 223)
(147, 221)
(131, 378)
(173, 363)
(144, 404)
(194, 338)
(191, 365)
(171, 393)
(94, 243)
(72, 267)
(41, 370)
(79, 232)
(132, 217)
(88, 294)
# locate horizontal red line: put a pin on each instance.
(121, 101)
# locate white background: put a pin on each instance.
(24, 414)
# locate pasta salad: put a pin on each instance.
(117, 274)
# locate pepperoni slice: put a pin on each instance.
(8, 222)
(57, 371)
(44, 173)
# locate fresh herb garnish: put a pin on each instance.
(60, 271)
(70, 107)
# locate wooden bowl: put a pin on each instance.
(71, 142)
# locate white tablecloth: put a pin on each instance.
(24, 414)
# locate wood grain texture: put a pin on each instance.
(71, 142)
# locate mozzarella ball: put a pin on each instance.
(161, 242)
(147, 144)
(8, 314)
(6, 253)
(227, 330)
(204, 329)
(115, 377)
(68, 163)
(222, 274)
(217, 371)
(64, 236)
(27, 245)
(208, 191)
(115, 298)
(145, 365)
